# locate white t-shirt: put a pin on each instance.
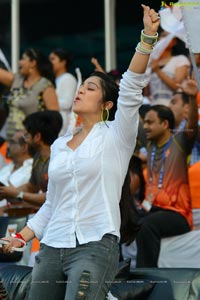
(160, 92)
(65, 89)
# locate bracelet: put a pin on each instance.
(19, 236)
(22, 240)
(142, 50)
(149, 39)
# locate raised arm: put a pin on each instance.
(151, 22)
(191, 89)
(97, 65)
(6, 77)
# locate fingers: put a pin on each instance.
(146, 9)
(151, 13)
(5, 245)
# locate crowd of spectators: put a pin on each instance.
(158, 197)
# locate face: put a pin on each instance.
(57, 63)
(178, 107)
(25, 64)
(15, 146)
(89, 99)
(32, 144)
(153, 126)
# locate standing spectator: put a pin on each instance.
(66, 84)
(79, 223)
(30, 90)
(167, 201)
(170, 68)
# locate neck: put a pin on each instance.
(87, 124)
(33, 77)
(60, 72)
(44, 151)
(18, 162)
(163, 139)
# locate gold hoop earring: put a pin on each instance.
(107, 115)
(103, 113)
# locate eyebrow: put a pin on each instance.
(91, 82)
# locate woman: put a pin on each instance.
(170, 68)
(66, 85)
(30, 90)
(79, 223)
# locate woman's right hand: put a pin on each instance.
(12, 243)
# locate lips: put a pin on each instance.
(77, 99)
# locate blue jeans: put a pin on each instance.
(82, 273)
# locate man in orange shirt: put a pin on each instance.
(167, 200)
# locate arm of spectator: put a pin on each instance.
(97, 65)
(50, 99)
(180, 74)
(6, 77)
(30, 195)
(191, 89)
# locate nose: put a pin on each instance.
(81, 89)
(145, 125)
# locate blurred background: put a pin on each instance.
(75, 25)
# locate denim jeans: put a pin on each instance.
(82, 273)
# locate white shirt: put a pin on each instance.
(160, 92)
(17, 177)
(84, 187)
(65, 90)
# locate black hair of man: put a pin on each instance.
(164, 113)
(48, 123)
(185, 98)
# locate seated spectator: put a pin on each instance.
(167, 197)
(18, 172)
(42, 128)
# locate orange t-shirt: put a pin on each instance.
(194, 174)
(174, 193)
(198, 103)
(3, 150)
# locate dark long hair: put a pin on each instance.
(44, 66)
(129, 216)
(63, 54)
(110, 91)
(179, 48)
